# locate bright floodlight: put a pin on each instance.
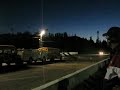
(42, 33)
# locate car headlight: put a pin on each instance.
(101, 53)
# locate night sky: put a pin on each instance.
(81, 17)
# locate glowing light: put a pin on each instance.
(101, 53)
(42, 33)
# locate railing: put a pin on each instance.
(70, 81)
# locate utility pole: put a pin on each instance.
(98, 35)
(97, 41)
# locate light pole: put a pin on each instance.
(40, 39)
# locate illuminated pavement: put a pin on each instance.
(37, 75)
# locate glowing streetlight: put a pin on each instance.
(41, 35)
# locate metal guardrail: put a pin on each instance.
(70, 81)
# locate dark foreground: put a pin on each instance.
(94, 82)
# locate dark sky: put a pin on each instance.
(81, 17)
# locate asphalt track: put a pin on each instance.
(35, 75)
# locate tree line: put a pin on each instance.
(58, 40)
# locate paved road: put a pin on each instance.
(36, 75)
